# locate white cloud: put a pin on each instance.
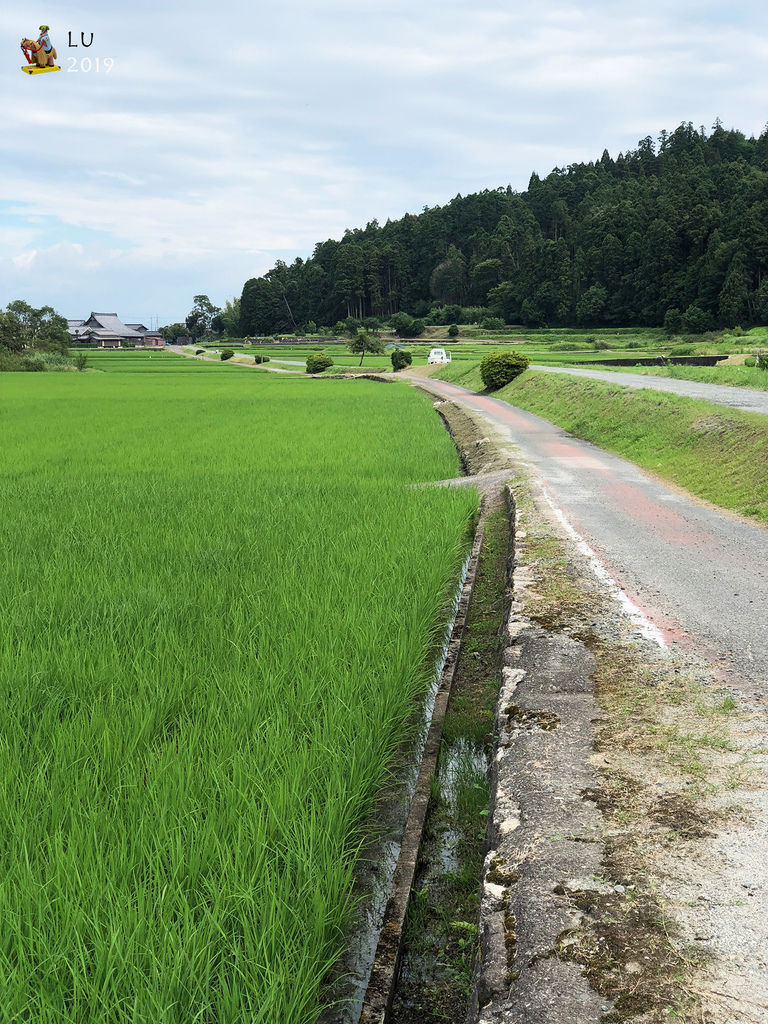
(24, 260)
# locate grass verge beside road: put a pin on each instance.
(714, 453)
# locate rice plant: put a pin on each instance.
(218, 596)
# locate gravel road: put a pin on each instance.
(698, 573)
(746, 399)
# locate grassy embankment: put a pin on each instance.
(716, 453)
(218, 599)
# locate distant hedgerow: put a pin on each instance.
(499, 368)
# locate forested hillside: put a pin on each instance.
(674, 230)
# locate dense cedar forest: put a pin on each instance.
(677, 227)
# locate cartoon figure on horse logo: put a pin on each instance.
(42, 51)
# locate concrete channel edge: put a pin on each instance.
(543, 838)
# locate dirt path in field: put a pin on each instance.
(626, 878)
(179, 351)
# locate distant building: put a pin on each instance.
(107, 330)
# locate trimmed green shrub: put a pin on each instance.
(317, 362)
(750, 361)
(261, 359)
(453, 331)
(599, 345)
(492, 323)
(227, 353)
(400, 359)
(499, 368)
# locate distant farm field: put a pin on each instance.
(142, 361)
(220, 598)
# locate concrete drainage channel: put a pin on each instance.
(387, 985)
(383, 978)
(365, 983)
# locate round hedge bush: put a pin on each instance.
(400, 359)
(227, 354)
(318, 361)
(499, 368)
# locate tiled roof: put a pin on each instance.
(112, 322)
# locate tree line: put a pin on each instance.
(673, 231)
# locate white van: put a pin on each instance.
(439, 355)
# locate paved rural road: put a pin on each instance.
(747, 399)
(699, 574)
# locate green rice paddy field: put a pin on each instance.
(220, 601)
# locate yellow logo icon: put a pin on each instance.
(40, 54)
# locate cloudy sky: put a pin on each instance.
(227, 135)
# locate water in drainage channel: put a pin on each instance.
(440, 940)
